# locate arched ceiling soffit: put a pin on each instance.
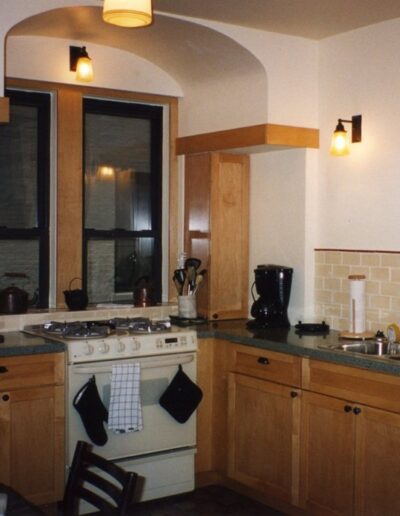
(185, 50)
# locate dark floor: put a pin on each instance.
(206, 501)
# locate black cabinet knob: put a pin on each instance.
(3, 369)
(357, 411)
(263, 360)
(293, 394)
(5, 397)
(348, 408)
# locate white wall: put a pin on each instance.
(277, 221)
(359, 194)
(113, 68)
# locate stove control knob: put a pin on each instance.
(135, 345)
(88, 349)
(104, 348)
(120, 346)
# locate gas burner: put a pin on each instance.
(143, 325)
(78, 329)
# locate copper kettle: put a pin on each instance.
(14, 300)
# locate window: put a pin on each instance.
(123, 197)
(24, 195)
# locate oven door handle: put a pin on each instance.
(175, 361)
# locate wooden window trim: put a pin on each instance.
(69, 172)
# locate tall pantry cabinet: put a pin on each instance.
(216, 230)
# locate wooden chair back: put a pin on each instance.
(89, 470)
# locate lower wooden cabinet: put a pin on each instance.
(263, 436)
(327, 455)
(305, 436)
(32, 426)
(350, 453)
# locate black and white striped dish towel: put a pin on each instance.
(125, 411)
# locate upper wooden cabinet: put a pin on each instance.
(255, 138)
(217, 230)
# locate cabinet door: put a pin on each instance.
(377, 471)
(32, 429)
(327, 455)
(263, 433)
(217, 230)
(229, 236)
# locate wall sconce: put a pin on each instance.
(340, 145)
(80, 62)
(128, 13)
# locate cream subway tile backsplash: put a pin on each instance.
(382, 300)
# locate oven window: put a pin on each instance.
(123, 192)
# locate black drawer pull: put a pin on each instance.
(263, 360)
(293, 394)
(5, 397)
(357, 411)
(3, 369)
(347, 408)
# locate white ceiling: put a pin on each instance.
(314, 19)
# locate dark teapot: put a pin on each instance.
(14, 300)
(76, 299)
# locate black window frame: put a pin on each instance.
(41, 101)
(154, 113)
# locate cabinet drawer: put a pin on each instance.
(352, 384)
(265, 364)
(18, 372)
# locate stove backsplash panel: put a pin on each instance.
(382, 298)
(18, 322)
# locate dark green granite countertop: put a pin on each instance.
(286, 340)
(19, 343)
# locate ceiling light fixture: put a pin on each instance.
(80, 62)
(128, 13)
(340, 145)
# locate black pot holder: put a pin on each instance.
(181, 397)
(92, 411)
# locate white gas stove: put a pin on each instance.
(163, 452)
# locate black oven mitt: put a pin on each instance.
(181, 397)
(92, 411)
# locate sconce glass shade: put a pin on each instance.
(340, 144)
(84, 69)
(128, 13)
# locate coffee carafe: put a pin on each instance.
(273, 284)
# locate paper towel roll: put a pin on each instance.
(357, 303)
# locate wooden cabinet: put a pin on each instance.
(264, 422)
(210, 463)
(350, 452)
(217, 230)
(32, 425)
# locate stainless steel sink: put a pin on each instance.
(365, 347)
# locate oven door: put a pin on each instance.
(160, 430)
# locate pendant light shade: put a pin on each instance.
(128, 13)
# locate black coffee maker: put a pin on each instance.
(273, 284)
